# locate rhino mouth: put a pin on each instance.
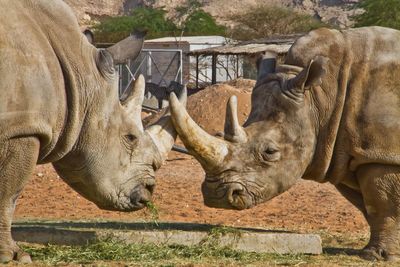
(130, 196)
(232, 195)
(136, 198)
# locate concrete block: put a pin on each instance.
(243, 239)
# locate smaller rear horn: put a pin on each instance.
(233, 132)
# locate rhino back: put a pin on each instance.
(43, 61)
(358, 102)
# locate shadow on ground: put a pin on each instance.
(139, 226)
(341, 251)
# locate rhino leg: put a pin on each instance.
(380, 187)
(18, 158)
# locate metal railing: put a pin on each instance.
(149, 64)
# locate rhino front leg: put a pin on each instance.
(18, 158)
(380, 187)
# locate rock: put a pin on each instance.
(337, 12)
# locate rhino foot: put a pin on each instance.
(15, 254)
(378, 254)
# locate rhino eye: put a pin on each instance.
(271, 150)
(271, 154)
(130, 137)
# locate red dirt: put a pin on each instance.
(307, 207)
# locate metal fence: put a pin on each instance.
(160, 67)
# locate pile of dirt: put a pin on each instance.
(208, 106)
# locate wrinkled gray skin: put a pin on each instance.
(59, 103)
(331, 113)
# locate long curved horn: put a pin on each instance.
(163, 132)
(208, 150)
(133, 103)
(233, 131)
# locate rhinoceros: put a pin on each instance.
(59, 104)
(330, 113)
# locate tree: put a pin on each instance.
(153, 20)
(186, 10)
(191, 19)
(379, 12)
(202, 23)
(265, 20)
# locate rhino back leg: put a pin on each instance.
(18, 158)
(380, 187)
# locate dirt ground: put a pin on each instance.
(307, 207)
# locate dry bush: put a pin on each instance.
(265, 20)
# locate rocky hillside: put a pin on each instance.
(336, 12)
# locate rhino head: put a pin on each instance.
(114, 160)
(266, 156)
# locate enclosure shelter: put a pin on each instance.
(165, 60)
(232, 61)
(195, 60)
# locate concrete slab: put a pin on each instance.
(244, 239)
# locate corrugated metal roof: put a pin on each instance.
(246, 49)
(275, 39)
(279, 44)
(212, 39)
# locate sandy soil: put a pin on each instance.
(307, 207)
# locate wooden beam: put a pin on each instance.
(197, 71)
(214, 69)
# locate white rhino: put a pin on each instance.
(331, 113)
(59, 103)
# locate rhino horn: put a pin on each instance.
(133, 102)
(266, 64)
(129, 48)
(233, 132)
(208, 150)
(163, 132)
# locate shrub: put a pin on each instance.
(379, 12)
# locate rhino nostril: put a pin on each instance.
(234, 191)
(237, 192)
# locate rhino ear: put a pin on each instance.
(129, 48)
(310, 76)
(89, 35)
(105, 63)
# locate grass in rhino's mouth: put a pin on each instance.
(152, 208)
